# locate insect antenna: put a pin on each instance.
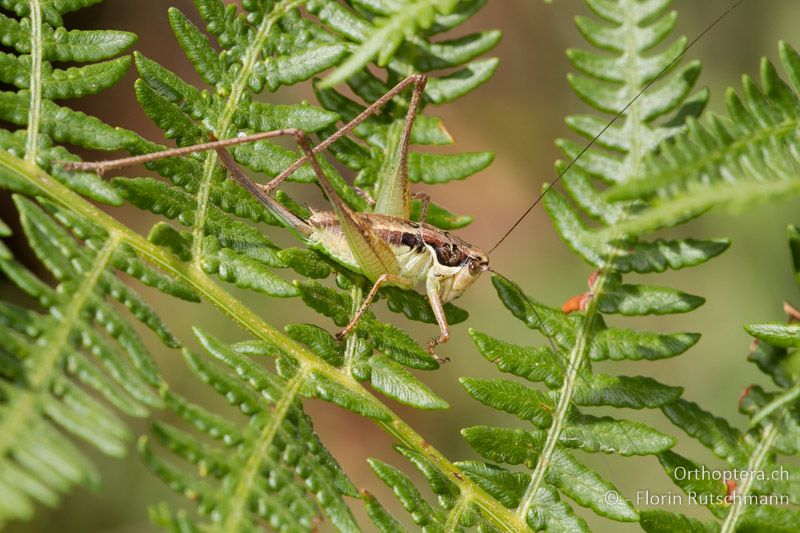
(542, 325)
(616, 117)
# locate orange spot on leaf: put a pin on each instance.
(743, 396)
(730, 490)
(576, 303)
(792, 312)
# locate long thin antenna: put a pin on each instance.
(619, 115)
(539, 318)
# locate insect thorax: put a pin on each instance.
(419, 247)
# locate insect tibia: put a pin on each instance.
(289, 219)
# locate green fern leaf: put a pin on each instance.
(714, 432)
(384, 521)
(634, 392)
(606, 435)
(391, 379)
(318, 340)
(656, 520)
(778, 335)
(677, 468)
(422, 513)
(746, 503)
(628, 35)
(732, 161)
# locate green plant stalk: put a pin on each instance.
(225, 120)
(786, 398)
(236, 518)
(565, 394)
(45, 360)
(578, 354)
(16, 169)
(755, 463)
(35, 107)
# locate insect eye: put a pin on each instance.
(474, 267)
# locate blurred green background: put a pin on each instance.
(518, 115)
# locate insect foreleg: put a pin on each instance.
(435, 300)
(383, 279)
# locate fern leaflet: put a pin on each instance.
(579, 334)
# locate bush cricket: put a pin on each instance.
(383, 245)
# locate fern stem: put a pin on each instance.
(352, 344)
(20, 410)
(237, 516)
(755, 463)
(635, 156)
(571, 376)
(15, 169)
(224, 123)
(35, 107)
(455, 514)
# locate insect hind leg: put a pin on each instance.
(417, 80)
(425, 202)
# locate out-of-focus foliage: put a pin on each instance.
(762, 496)
(747, 157)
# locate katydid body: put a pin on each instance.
(384, 245)
(446, 265)
(387, 249)
(424, 253)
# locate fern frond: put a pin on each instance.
(271, 471)
(39, 39)
(764, 496)
(275, 44)
(57, 358)
(747, 157)
(71, 351)
(626, 32)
